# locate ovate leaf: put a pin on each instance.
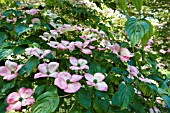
(136, 29)
(137, 4)
(166, 100)
(84, 97)
(31, 64)
(101, 102)
(148, 35)
(125, 94)
(21, 29)
(46, 103)
(3, 36)
(122, 4)
(5, 52)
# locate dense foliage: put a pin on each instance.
(91, 56)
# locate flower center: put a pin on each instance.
(48, 73)
(67, 81)
(20, 99)
(95, 81)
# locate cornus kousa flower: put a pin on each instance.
(32, 11)
(124, 52)
(65, 45)
(83, 46)
(10, 70)
(132, 70)
(36, 20)
(125, 55)
(37, 52)
(18, 99)
(69, 83)
(96, 81)
(47, 70)
(47, 36)
(78, 64)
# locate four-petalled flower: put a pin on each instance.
(78, 64)
(69, 83)
(10, 70)
(96, 81)
(18, 99)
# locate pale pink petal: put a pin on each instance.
(82, 62)
(75, 78)
(40, 75)
(83, 37)
(73, 61)
(43, 68)
(28, 51)
(78, 44)
(35, 20)
(84, 67)
(75, 68)
(27, 101)
(25, 92)
(102, 86)
(86, 43)
(71, 46)
(99, 77)
(53, 66)
(124, 58)
(91, 47)
(86, 51)
(90, 83)
(60, 82)
(61, 46)
(13, 98)
(19, 67)
(46, 52)
(10, 77)
(4, 71)
(93, 39)
(101, 49)
(14, 106)
(125, 52)
(44, 38)
(73, 87)
(54, 75)
(65, 43)
(11, 65)
(36, 52)
(89, 77)
(53, 44)
(133, 70)
(64, 75)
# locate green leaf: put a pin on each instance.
(84, 97)
(137, 4)
(31, 64)
(8, 86)
(136, 30)
(3, 36)
(46, 103)
(166, 100)
(122, 4)
(148, 35)
(126, 95)
(40, 89)
(5, 52)
(21, 29)
(116, 70)
(115, 100)
(137, 105)
(101, 102)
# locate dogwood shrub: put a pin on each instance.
(70, 58)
